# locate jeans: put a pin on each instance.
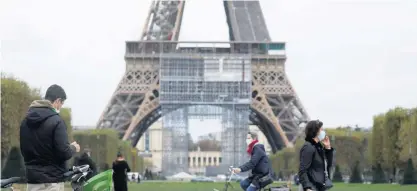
(46, 187)
(247, 186)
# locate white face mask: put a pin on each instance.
(56, 110)
(321, 135)
(57, 103)
(248, 141)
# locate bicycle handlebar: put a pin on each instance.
(231, 173)
(77, 170)
(5, 183)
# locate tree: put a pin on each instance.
(65, 114)
(104, 167)
(410, 173)
(15, 166)
(285, 161)
(356, 176)
(378, 175)
(191, 145)
(377, 141)
(209, 145)
(351, 152)
(16, 97)
(392, 145)
(408, 134)
(337, 177)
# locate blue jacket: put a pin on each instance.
(258, 163)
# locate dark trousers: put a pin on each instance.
(247, 186)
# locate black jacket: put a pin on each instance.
(44, 144)
(311, 173)
(258, 163)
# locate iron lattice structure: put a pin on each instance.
(206, 79)
(158, 66)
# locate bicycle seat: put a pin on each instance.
(8, 182)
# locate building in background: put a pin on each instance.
(217, 136)
(82, 127)
(150, 145)
(199, 160)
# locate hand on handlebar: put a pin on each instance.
(76, 145)
(236, 170)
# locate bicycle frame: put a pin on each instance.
(286, 187)
(227, 183)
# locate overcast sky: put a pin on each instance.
(347, 59)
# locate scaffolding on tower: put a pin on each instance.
(216, 86)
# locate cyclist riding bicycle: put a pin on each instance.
(259, 164)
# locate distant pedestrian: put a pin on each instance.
(120, 170)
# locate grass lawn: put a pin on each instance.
(187, 186)
(176, 186)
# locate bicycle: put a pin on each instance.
(227, 183)
(284, 187)
(78, 174)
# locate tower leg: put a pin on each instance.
(234, 131)
(175, 140)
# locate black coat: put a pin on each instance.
(312, 173)
(120, 169)
(44, 144)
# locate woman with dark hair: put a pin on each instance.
(120, 169)
(316, 158)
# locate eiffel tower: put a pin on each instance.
(139, 98)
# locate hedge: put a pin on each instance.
(104, 144)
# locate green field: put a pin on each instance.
(187, 186)
(171, 186)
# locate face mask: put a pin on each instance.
(321, 135)
(248, 141)
(57, 110)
